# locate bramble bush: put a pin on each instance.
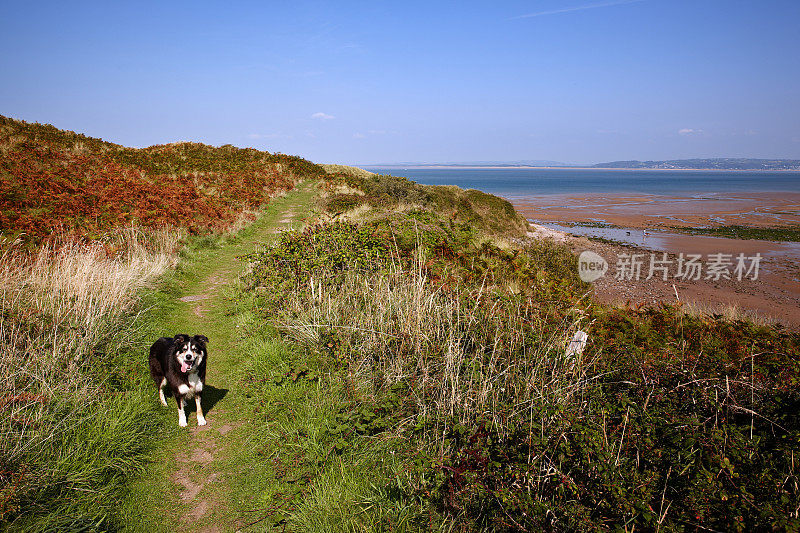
(669, 420)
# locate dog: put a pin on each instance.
(180, 363)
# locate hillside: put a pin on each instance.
(357, 195)
(386, 356)
(55, 179)
(456, 398)
(724, 163)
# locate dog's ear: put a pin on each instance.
(181, 337)
(201, 338)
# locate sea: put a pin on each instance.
(520, 183)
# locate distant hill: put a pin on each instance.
(55, 179)
(723, 163)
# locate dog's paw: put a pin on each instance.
(201, 421)
(164, 402)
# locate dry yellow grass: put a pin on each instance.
(344, 169)
(399, 325)
(57, 306)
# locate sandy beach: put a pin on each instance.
(774, 296)
(643, 211)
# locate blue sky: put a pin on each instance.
(379, 82)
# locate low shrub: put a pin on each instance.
(456, 348)
(485, 213)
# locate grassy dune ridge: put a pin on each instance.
(50, 178)
(346, 170)
(442, 338)
(357, 196)
(403, 359)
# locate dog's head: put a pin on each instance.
(189, 351)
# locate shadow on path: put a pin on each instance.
(211, 396)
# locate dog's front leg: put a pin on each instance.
(181, 412)
(201, 420)
(161, 392)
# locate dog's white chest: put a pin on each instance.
(194, 386)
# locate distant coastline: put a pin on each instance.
(717, 163)
(520, 182)
(518, 167)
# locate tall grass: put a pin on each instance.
(72, 422)
(419, 336)
(453, 361)
(468, 354)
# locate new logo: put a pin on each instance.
(591, 266)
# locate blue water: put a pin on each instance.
(519, 183)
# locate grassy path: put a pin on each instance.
(196, 476)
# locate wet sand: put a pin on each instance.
(643, 211)
(773, 297)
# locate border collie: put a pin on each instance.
(180, 363)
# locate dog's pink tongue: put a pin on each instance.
(184, 367)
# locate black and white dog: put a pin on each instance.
(180, 363)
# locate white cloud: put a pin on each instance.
(359, 136)
(322, 116)
(689, 131)
(578, 8)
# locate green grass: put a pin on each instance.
(371, 196)
(88, 463)
(407, 372)
(235, 343)
(786, 234)
(74, 422)
(307, 485)
(459, 409)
